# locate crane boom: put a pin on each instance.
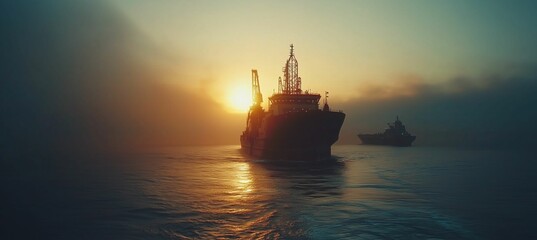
(257, 98)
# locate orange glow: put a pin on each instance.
(243, 180)
(239, 99)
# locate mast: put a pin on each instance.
(291, 81)
(326, 108)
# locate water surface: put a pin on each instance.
(368, 192)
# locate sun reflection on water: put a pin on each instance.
(243, 183)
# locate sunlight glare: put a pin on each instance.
(239, 99)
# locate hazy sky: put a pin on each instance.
(145, 73)
(342, 45)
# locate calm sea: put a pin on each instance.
(368, 192)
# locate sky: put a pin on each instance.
(129, 74)
(341, 45)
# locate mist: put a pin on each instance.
(493, 111)
(77, 76)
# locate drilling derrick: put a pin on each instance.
(291, 81)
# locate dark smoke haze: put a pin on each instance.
(77, 76)
(496, 111)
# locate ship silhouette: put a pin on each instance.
(293, 127)
(394, 135)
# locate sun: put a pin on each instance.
(239, 99)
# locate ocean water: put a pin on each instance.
(216, 192)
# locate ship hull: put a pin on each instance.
(380, 139)
(295, 136)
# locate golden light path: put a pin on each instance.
(243, 180)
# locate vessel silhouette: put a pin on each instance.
(293, 127)
(394, 135)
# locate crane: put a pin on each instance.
(257, 98)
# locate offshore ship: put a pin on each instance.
(293, 127)
(395, 135)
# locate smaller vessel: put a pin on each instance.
(394, 135)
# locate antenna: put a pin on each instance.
(280, 87)
(326, 108)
